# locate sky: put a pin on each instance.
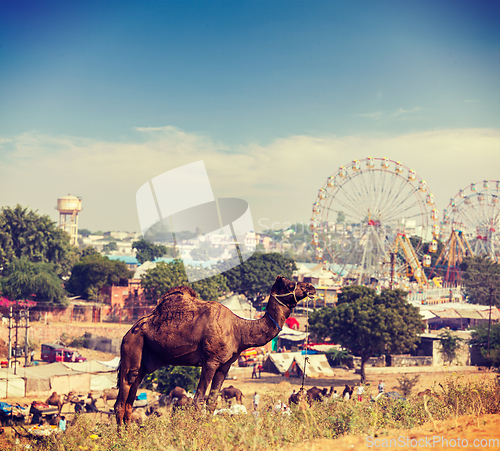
(99, 97)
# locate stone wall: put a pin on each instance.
(408, 360)
(41, 333)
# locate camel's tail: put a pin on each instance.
(119, 374)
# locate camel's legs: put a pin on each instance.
(129, 404)
(217, 381)
(207, 374)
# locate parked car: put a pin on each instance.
(57, 353)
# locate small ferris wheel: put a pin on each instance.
(360, 211)
(475, 212)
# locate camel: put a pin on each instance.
(231, 392)
(110, 393)
(316, 394)
(56, 400)
(186, 331)
(177, 392)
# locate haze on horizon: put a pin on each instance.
(97, 98)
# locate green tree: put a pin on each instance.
(165, 379)
(93, 272)
(110, 247)
(449, 344)
(24, 233)
(479, 337)
(367, 323)
(158, 280)
(256, 275)
(37, 281)
(147, 251)
(481, 278)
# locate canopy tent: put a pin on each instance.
(291, 334)
(11, 386)
(113, 363)
(102, 377)
(279, 363)
(292, 323)
(44, 379)
(240, 306)
(317, 366)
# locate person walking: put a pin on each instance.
(254, 371)
(256, 401)
(260, 368)
(359, 391)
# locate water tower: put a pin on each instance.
(68, 207)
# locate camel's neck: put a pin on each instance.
(259, 332)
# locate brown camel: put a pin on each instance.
(232, 392)
(186, 331)
(109, 393)
(316, 394)
(177, 392)
(57, 400)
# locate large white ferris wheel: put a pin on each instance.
(475, 212)
(363, 210)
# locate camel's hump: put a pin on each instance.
(178, 294)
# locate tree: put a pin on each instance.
(449, 344)
(165, 379)
(95, 271)
(479, 338)
(38, 281)
(481, 277)
(258, 273)
(367, 323)
(110, 247)
(147, 251)
(158, 280)
(24, 233)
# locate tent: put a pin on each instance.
(291, 334)
(317, 366)
(240, 306)
(11, 386)
(113, 363)
(279, 363)
(292, 323)
(44, 379)
(102, 376)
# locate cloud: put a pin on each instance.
(374, 115)
(280, 180)
(402, 111)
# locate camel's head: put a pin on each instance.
(290, 293)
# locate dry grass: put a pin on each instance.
(192, 430)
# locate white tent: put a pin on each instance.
(240, 306)
(291, 334)
(279, 363)
(113, 363)
(11, 386)
(102, 376)
(44, 379)
(316, 366)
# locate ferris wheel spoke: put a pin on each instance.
(357, 193)
(396, 201)
(346, 206)
(398, 214)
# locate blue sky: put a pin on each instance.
(96, 98)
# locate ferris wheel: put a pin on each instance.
(475, 212)
(363, 209)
